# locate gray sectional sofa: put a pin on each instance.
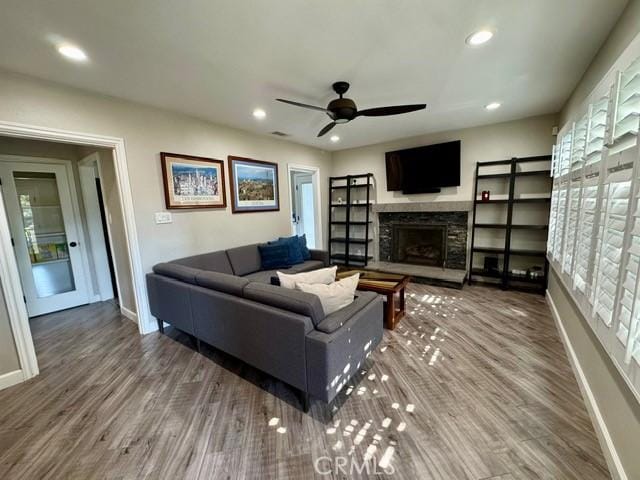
(224, 299)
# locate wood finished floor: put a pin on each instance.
(474, 384)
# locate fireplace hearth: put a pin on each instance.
(419, 244)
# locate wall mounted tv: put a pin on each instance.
(424, 169)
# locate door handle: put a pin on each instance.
(73, 244)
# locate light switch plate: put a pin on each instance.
(163, 217)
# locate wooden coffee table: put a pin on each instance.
(389, 284)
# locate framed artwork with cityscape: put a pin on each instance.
(193, 182)
(254, 185)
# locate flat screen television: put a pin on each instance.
(424, 169)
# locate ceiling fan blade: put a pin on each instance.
(303, 105)
(395, 110)
(326, 128)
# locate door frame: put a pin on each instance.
(9, 268)
(75, 207)
(91, 164)
(315, 180)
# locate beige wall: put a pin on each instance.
(148, 131)
(9, 361)
(519, 138)
(619, 408)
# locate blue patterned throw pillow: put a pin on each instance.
(306, 254)
(274, 255)
(295, 252)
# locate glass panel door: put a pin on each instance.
(44, 232)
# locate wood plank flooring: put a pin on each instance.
(473, 384)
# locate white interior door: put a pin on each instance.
(303, 211)
(45, 235)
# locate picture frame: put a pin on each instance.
(254, 185)
(192, 182)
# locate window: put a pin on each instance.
(594, 224)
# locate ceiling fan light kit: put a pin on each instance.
(343, 110)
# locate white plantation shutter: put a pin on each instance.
(586, 233)
(565, 153)
(560, 221)
(579, 143)
(596, 131)
(627, 112)
(553, 213)
(554, 161)
(615, 205)
(572, 226)
(628, 299)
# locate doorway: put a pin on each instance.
(304, 194)
(46, 234)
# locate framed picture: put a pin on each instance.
(254, 185)
(193, 182)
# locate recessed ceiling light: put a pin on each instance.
(480, 37)
(72, 53)
(493, 106)
(335, 138)
(259, 113)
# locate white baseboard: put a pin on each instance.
(10, 379)
(129, 314)
(606, 442)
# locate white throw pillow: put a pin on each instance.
(322, 275)
(335, 296)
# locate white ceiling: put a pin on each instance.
(218, 60)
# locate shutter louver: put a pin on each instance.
(572, 225)
(553, 213)
(579, 143)
(596, 131)
(585, 235)
(565, 154)
(560, 223)
(627, 117)
(616, 206)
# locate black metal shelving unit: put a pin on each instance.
(350, 184)
(506, 279)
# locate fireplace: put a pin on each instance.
(439, 238)
(419, 244)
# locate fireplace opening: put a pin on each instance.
(419, 244)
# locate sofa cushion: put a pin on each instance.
(321, 275)
(295, 250)
(274, 255)
(335, 296)
(263, 276)
(179, 272)
(333, 322)
(213, 261)
(222, 282)
(306, 254)
(244, 259)
(305, 266)
(291, 300)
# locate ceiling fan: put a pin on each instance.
(343, 110)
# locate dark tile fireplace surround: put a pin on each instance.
(437, 239)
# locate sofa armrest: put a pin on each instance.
(333, 358)
(322, 255)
